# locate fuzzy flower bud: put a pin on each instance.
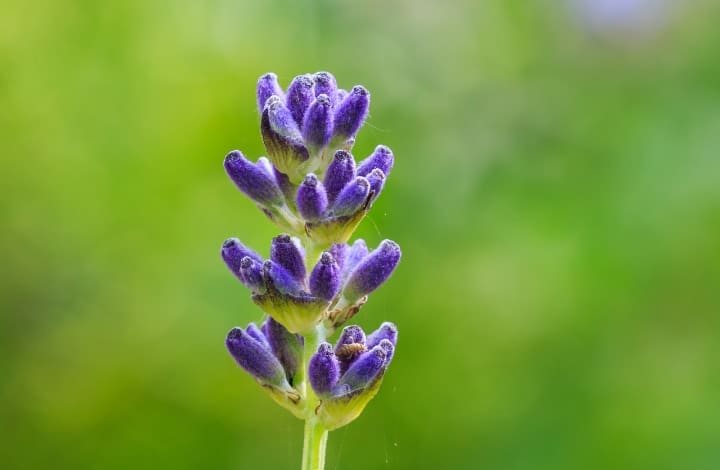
(325, 84)
(325, 278)
(372, 271)
(311, 199)
(324, 370)
(255, 357)
(233, 252)
(287, 252)
(299, 96)
(382, 158)
(352, 198)
(253, 180)
(317, 125)
(267, 86)
(286, 347)
(350, 114)
(340, 172)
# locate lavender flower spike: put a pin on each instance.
(253, 180)
(351, 113)
(310, 186)
(255, 358)
(372, 271)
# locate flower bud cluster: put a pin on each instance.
(313, 281)
(332, 292)
(348, 375)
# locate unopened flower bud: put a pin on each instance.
(267, 86)
(253, 180)
(311, 199)
(352, 197)
(381, 158)
(357, 252)
(285, 345)
(255, 358)
(299, 96)
(339, 173)
(372, 271)
(365, 370)
(317, 124)
(287, 252)
(376, 178)
(252, 274)
(325, 278)
(325, 84)
(233, 252)
(350, 114)
(324, 370)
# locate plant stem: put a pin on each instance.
(315, 433)
(314, 445)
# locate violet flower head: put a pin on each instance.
(313, 281)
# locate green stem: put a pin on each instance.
(315, 433)
(314, 445)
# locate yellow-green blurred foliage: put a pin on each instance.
(556, 194)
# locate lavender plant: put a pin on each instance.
(313, 282)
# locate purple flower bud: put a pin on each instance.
(254, 357)
(233, 252)
(350, 334)
(252, 179)
(339, 251)
(386, 331)
(381, 158)
(325, 84)
(281, 119)
(364, 371)
(389, 349)
(286, 151)
(351, 113)
(372, 271)
(285, 345)
(288, 253)
(341, 95)
(299, 96)
(252, 274)
(386, 337)
(350, 346)
(317, 125)
(352, 197)
(325, 278)
(280, 278)
(323, 370)
(311, 199)
(376, 178)
(257, 334)
(357, 253)
(339, 173)
(267, 86)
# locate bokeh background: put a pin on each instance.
(556, 194)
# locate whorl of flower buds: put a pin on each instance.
(330, 293)
(347, 376)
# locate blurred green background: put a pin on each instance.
(556, 194)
